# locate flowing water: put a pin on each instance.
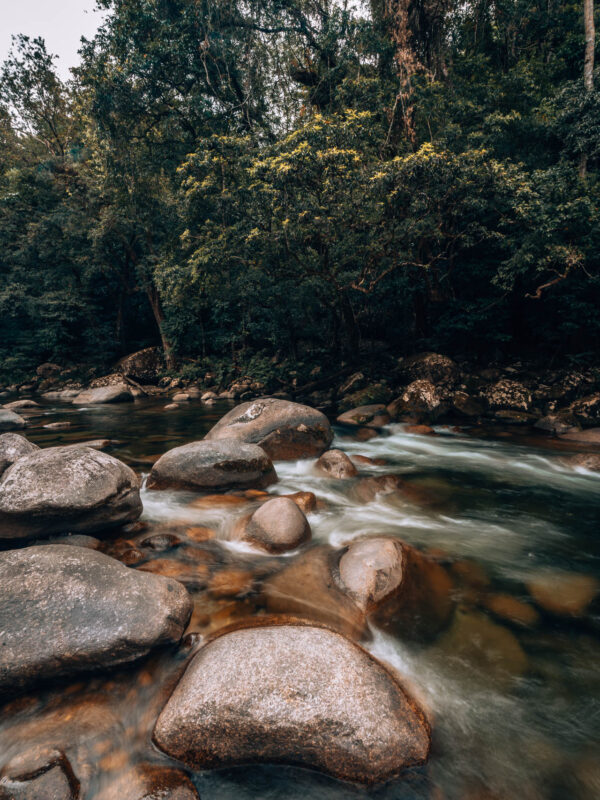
(498, 511)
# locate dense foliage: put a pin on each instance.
(302, 180)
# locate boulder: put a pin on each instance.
(9, 421)
(565, 594)
(114, 393)
(12, 447)
(554, 423)
(42, 773)
(277, 526)
(67, 490)
(508, 394)
(397, 586)
(87, 609)
(336, 464)
(375, 415)
(149, 782)
(586, 410)
(432, 367)
(292, 694)
(62, 394)
(421, 399)
(144, 366)
(284, 430)
(375, 393)
(181, 397)
(305, 588)
(207, 465)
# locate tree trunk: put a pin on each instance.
(159, 317)
(588, 63)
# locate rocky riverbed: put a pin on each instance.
(283, 608)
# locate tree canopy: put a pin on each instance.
(292, 180)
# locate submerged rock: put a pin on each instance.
(306, 588)
(9, 421)
(213, 465)
(67, 609)
(284, 430)
(41, 773)
(589, 461)
(67, 490)
(114, 393)
(397, 586)
(292, 694)
(566, 594)
(12, 447)
(336, 464)
(149, 782)
(278, 525)
(589, 436)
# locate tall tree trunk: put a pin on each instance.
(588, 63)
(159, 317)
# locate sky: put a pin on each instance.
(61, 23)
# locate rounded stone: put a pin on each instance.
(67, 490)
(284, 430)
(336, 464)
(12, 447)
(9, 421)
(277, 526)
(86, 608)
(292, 694)
(114, 393)
(213, 465)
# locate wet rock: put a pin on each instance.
(306, 588)
(513, 417)
(589, 461)
(399, 587)
(67, 490)
(292, 694)
(62, 394)
(12, 447)
(509, 608)
(432, 367)
(114, 393)
(160, 541)
(277, 526)
(466, 405)
(336, 464)
(149, 782)
(57, 426)
(470, 573)
(41, 773)
(508, 394)
(306, 501)
(9, 421)
(371, 462)
(208, 465)
(284, 430)
(589, 436)
(171, 406)
(376, 393)
(181, 397)
(89, 611)
(484, 649)
(21, 405)
(375, 415)
(144, 366)
(566, 594)
(368, 489)
(231, 583)
(419, 430)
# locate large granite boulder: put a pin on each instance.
(12, 447)
(508, 394)
(67, 609)
(101, 395)
(9, 421)
(210, 466)
(277, 526)
(398, 587)
(67, 490)
(284, 430)
(292, 694)
(144, 366)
